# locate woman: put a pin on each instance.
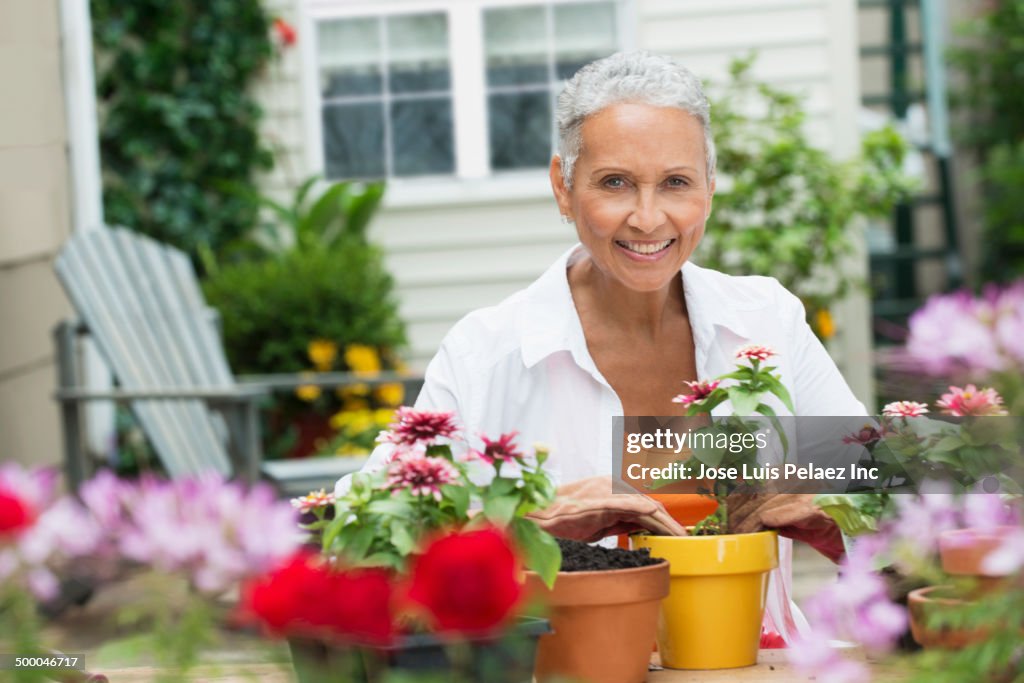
(622, 319)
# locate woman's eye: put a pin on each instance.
(676, 181)
(614, 182)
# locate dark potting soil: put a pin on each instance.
(580, 557)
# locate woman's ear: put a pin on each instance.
(711, 197)
(559, 188)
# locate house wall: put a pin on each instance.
(34, 221)
(455, 249)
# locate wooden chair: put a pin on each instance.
(141, 303)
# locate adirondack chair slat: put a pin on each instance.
(186, 285)
(129, 347)
(203, 445)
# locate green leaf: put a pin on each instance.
(501, 509)
(542, 552)
(743, 402)
(459, 497)
(391, 507)
(402, 538)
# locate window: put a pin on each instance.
(458, 89)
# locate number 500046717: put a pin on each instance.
(11, 662)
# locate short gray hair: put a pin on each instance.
(628, 77)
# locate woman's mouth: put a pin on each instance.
(645, 248)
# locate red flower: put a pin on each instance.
(468, 582)
(971, 401)
(423, 475)
(286, 33)
(502, 450)
(306, 597)
(16, 514)
(757, 352)
(425, 427)
(867, 436)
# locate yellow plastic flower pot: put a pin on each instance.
(712, 616)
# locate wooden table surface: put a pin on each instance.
(771, 667)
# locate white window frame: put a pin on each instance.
(473, 181)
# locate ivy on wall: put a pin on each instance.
(177, 124)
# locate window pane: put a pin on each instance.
(520, 127)
(515, 42)
(354, 140)
(422, 134)
(350, 57)
(418, 53)
(583, 32)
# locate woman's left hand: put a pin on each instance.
(793, 515)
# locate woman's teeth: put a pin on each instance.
(644, 247)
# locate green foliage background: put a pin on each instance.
(786, 208)
(177, 125)
(271, 309)
(990, 59)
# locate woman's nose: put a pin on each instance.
(647, 215)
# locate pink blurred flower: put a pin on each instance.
(753, 352)
(949, 333)
(503, 450)
(699, 391)
(313, 500)
(814, 656)
(1008, 559)
(971, 401)
(421, 475)
(905, 409)
(425, 427)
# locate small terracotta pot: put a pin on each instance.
(963, 553)
(604, 624)
(932, 599)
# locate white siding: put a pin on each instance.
(450, 257)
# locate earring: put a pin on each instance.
(566, 220)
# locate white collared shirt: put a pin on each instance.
(523, 365)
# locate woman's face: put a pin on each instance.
(640, 192)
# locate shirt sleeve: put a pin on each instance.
(820, 389)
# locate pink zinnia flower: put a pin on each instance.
(425, 427)
(312, 501)
(905, 409)
(971, 401)
(422, 475)
(502, 450)
(756, 352)
(699, 391)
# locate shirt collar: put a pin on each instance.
(549, 322)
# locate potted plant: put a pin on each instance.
(389, 521)
(603, 608)
(713, 614)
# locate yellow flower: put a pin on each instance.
(384, 416)
(390, 394)
(362, 359)
(351, 391)
(825, 324)
(322, 353)
(355, 404)
(308, 392)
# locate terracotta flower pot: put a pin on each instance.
(712, 616)
(963, 553)
(929, 600)
(604, 624)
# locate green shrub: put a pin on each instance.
(784, 207)
(272, 309)
(177, 125)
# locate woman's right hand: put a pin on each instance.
(588, 511)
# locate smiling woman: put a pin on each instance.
(623, 318)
